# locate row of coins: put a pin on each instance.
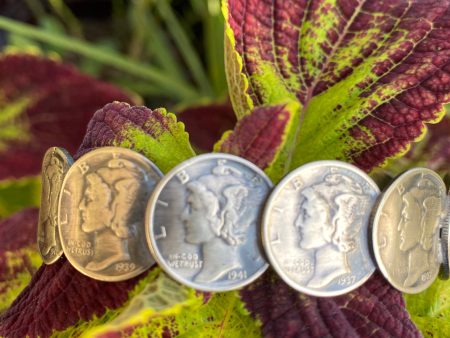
(211, 222)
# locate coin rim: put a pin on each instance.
(65, 155)
(266, 228)
(149, 229)
(77, 266)
(375, 225)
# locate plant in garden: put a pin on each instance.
(350, 80)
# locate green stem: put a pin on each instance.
(184, 45)
(213, 27)
(67, 17)
(172, 87)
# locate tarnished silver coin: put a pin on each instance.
(406, 230)
(55, 165)
(102, 213)
(204, 222)
(444, 272)
(315, 228)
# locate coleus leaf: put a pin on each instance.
(259, 137)
(44, 103)
(37, 310)
(373, 310)
(435, 153)
(154, 133)
(368, 75)
(430, 309)
(206, 123)
(16, 194)
(19, 258)
(163, 308)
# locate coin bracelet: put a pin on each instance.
(324, 228)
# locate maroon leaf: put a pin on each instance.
(207, 123)
(259, 136)
(437, 149)
(18, 231)
(368, 74)
(373, 310)
(44, 103)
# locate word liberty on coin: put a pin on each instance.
(203, 222)
(55, 165)
(101, 213)
(406, 230)
(315, 228)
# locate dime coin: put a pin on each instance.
(315, 228)
(102, 213)
(406, 230)
(444, 272)
(55, 165)
(204, 220)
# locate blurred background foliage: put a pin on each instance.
(170, 53)
(161, 53)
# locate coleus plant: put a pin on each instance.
(320, 79)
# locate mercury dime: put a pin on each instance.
(315, 228)
(444, 272)
(406, 230)
(102, 213)
(204, 221)
(55, 165)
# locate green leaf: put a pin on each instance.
(19, 258)
(16, 194)
(159, 307)
(430, 309)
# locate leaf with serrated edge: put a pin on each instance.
(154, 133)
(368, 74)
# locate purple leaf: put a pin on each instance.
(44, 103)
(373, 310)
(368, 74)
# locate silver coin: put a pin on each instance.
(406, 230)
(315, 228)
(204, 222)
(55, 165)
(102, 213)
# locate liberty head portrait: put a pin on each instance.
(216, 218)
(418, 227)
(111, 194)
(329, 221)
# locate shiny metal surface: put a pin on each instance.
(204, 222)
(315, 228)
(102, 213)
(55, 165)
(406, 230)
